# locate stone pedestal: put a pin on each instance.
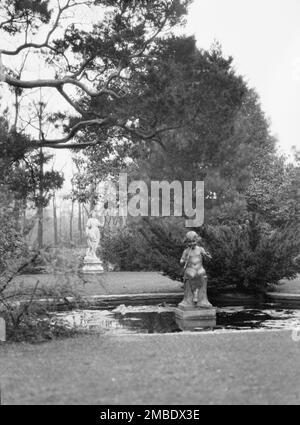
(2, 330)
(190, 318)
(92, 265)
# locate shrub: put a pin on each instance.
(34, 326)
(251, 257)
(127, 250)
(12, 246)
(26, 318)
(247, 257)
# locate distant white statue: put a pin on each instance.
(93, 235)
(92, 264)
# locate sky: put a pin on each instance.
(263, 37)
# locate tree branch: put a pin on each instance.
(57, 83)
(46, 42)
(70, 101)
(82, 67)
(74, 130)
(153, 133)
(70, 145)
(149, 41)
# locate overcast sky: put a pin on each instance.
(263, 36)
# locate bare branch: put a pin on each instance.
(74, 130)
(70, 101)
(70, 145)
(57, 83)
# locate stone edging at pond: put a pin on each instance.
(109, 301)
(284, 297)
(104, 301)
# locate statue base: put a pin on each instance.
(92, 265)
(190, 318)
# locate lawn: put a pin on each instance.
(113, 283)
(289, 286)
(232, 368)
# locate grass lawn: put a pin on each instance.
(232, 368)
(290, 286)
(115, 283)
(107, 283)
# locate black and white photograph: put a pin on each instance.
(149, 205)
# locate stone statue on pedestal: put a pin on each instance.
(93, 235)
(195, 279)
(195, 311)
(92, 264)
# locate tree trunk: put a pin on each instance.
(80, 223)
(60, 224)
(55, 220)
(83, 218)
(17, 109)
(40, 205)
(71, 222)
(24, 217)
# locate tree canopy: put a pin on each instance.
(106, 67)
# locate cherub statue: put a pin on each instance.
(93, 235)
(195, 279)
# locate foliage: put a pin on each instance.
(13, 145)
(59, 260)
(24, 12)
(19, 180)
(12, 246)
(135, 247)
(253, 245)
(36, 327)
(227, 132)
(273, 192)
(112, 63)
(27, 317)
(250, 257)
(126, 249)
(200, 86)
(20, 173)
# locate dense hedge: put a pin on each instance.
(247, 257)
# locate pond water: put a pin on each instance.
(161, 319)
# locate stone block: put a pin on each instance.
(194, 318)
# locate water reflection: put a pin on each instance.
(158, 319)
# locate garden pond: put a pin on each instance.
(161, 319)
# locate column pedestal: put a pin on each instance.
(92, 265)
(190, 318)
